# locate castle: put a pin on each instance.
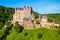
(25, 17)
(44, 22)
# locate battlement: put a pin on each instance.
(27, 7)
(24, 8)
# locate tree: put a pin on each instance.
(37, 22)
(7, 23)
(6, 14)
(39, 35)
(1, 25)
(18, 27)
(36, 14)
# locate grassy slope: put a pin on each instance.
(47, 34)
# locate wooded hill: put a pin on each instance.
(54, 17)
(6, 14)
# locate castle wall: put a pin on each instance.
(28, 24)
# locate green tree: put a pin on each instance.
(37, 22)
(36, 14)
(18, 27)
(7, 23)
(1, 25)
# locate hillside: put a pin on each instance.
(6, 14)
(54, 17)
(36, 14)
(18, 33)
(35, 34)
(15, 33)
(30, 34)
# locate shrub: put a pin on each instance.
(39, 35)
(3, 32)
(25, 34)
(59, 26)
(1, 25)
(58, 31)
(37, 22)
(18, 27)
(7, 23)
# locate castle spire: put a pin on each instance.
(15, 10)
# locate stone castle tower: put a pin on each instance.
(22, 15)
(43, 20)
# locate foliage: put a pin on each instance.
(36, 14)
(1, 25)
(18, 27)
(25, 34)
(58, 32)
(4, 32)
(39, 35)
(7, 23)
(6, 14)
(54, 17)
(37, 21)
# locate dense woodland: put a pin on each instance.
(17, 32)
(6, 14)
